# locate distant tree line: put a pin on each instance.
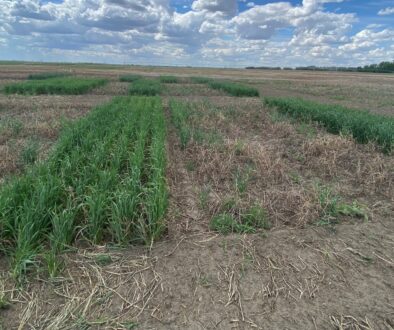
(383, 67)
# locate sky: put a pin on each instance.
(213, 33)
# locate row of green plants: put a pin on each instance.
(129, 78)
(232, 88)
(362, 125)
(47, 75)
(147, 87)
(169, 79)
(104, 182)
(61, 85)
(180, 114)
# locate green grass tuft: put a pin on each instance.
(246, 222)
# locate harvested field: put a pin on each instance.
(271, 222)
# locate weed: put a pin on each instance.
(103, 259)
(204, 196)
(295, 177)
(256, 217)
(4, 303)
(307, 130)
(239, 147)
(224, 223)
(63, 85)
(331, 207)
(14, 126)
(242, 178)
(129, 325)
(190, 165)
(246, 222)
(353, 210)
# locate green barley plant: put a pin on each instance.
(147, 87)
(104, 181)
(130, 78)
(234, 89)
(169, 79)
(47, 75)
(180, 114)
(200, 80)
(363, 126)
(62, 85)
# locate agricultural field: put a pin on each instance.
(188, 198)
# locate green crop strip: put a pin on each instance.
(232, 88)
(200, 80)
(65, 85)
(104, 182)
(363, 126)
(180, 113)
(169, 79)
(130, 78)
(47, 75)
(148, 87)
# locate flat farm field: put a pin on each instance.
(189, 198)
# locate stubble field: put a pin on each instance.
(271, 221)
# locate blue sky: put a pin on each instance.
(223, 33)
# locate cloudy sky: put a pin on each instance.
(225, 33)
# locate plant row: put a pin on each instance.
(232, 88)
(47, 75)
(103, 182)
(61, 85)
(362, 125)
(147, 87)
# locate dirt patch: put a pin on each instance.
(294, 279)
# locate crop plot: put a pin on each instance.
(147, 87)
(129, 78)
(64, 85)
(80, 190)
(47, 75)
(231, 88)
(363, 126)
